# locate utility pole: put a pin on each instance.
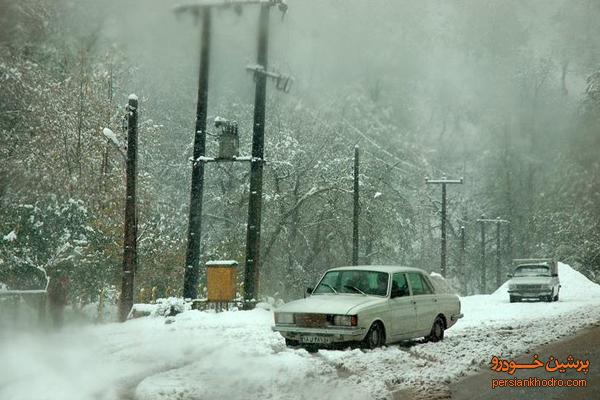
(255, 201)
(356, 208)
(252, 265)
(498, 222)
(509, 245)
(483, 268)
(444, 181)
(130, 229)
(461, 259)
(192, 255)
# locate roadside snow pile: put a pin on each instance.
(235, 355)
(169, 307)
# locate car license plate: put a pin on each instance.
(316, 339)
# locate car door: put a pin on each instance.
(425, 301)
(403, 308)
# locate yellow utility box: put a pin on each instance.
(220, 279)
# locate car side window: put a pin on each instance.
(399, 285)
(428, 285)
(418, 284)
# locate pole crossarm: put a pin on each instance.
(282, 82)
(222, 160)
(443, 181)
(197, 5)
(495, 221)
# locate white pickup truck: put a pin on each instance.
(534, 279)
(370, 306)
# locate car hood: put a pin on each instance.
(531, 280)
(331, 304)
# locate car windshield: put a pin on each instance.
(532, 270)
(354, 282)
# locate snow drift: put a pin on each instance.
(235, 355)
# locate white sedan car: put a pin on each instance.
(370, 306)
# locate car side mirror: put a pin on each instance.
(309, 290)
(554, 274)
(509, 275)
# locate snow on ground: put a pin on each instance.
(235, 355)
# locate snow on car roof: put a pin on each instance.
(380, 268)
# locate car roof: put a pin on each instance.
(380, 268)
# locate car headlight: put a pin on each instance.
(345, 320)
(284, 318)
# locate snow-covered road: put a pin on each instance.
(235, 355)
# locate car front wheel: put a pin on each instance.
(437, 331)
(375, 337)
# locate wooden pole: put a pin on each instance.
(483, 269)
(130, 231)
(498, 253)
(461, 261)
(356, 211)
(444, 181)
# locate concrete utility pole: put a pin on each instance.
(192, 255)
(252, 265)
(130, 230)
(356, 211)
(444, 181)
(498, 222)
(254, 210)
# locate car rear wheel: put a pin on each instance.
(513, 299)
(292, 343)
(556, 297)
(375, 337)
(437, 331)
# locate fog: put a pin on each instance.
(502, 93)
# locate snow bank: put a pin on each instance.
(235, 355)
(169, 307)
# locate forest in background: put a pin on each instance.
(503, 93)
